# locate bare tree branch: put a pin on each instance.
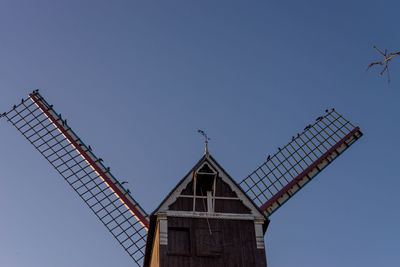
(385, 61)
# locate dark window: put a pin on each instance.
(178, 241)
(205, 180)
(205, 183)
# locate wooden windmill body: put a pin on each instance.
(207, 219)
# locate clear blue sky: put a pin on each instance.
(136, 79)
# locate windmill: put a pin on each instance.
(208, 219)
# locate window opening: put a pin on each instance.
(204, 187)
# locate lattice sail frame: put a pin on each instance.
(295, 164)
(45, 129)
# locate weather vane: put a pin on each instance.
(206, 139)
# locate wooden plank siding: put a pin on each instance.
(232, 243)
(231, 206)
(155, 255)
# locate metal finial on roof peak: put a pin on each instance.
(206, 139)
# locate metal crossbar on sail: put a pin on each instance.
(49, 133)
(295, 164)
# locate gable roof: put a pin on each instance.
(235, 187)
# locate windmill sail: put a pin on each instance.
(295, 164)
(46, 130)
